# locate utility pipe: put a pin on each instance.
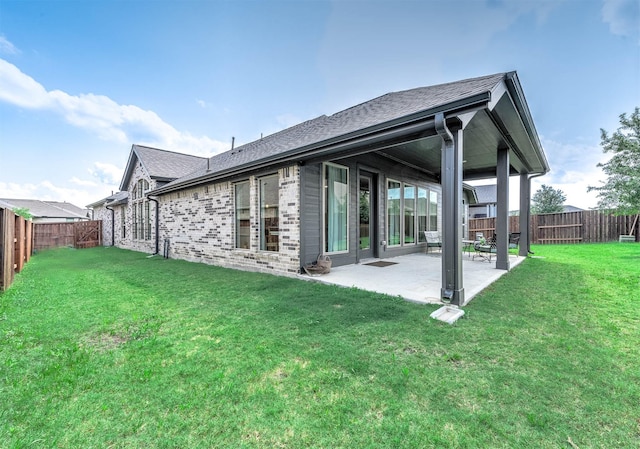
(452, 290)
(113, 223)
(529, 212)
(157, 223)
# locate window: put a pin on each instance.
(411, 210)
(134, 212)
(123, 219)
(423, 207)
(393, 213)
(141, 213)
(243, 223)
(147, 221)
(433, 211)
(269, 200)
(409, 214)
(140, 220)
(336, 208)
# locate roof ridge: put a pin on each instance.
(474, 78)
(269, 136)
(388, 94)
(168, 151)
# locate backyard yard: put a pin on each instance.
(107, 348)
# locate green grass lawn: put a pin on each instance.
(105, 348)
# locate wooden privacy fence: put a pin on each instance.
(16, 238)
(590, 226)
(79, 234)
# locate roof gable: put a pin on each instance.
(161, 165)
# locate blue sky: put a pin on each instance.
(81, 81)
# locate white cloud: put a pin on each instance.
(7, 47)
(106, 173)
(573, 169)
(20, 89)
(110, 121)
(203, 104)
(46, 190)
(623, 17)
(82, 182)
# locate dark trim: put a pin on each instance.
(157, 223)
(520, 103)
(113, 225)
(452, 289)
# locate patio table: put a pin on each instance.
(467, 246)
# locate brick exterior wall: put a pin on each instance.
(102, 213)
(200, 225)
(146, 245)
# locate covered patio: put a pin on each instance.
(415, 277)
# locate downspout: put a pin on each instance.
(157, 224)
(113, 223)
(529, 211)
(452, 290)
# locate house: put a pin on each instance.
(127, 215)
(362, 183)
(569, 208)
(486, 205)
(48, 211)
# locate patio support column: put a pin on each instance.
(502, 211)
(451, 177)
(525, 214)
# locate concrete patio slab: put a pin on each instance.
(414, 277)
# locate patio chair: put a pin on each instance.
(433, 239)
(514, 240)
(484, 250)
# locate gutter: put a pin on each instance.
(157, 223)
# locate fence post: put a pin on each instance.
(7, 248)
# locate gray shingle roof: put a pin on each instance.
(47, 209)
(569, 208)
(487, 194)
(167, 164)
(160, 164)
(111, 200)
(380, 110)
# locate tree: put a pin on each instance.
(621, 191)
(547, 200)
(23, 212)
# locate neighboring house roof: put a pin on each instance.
(568, 208)
(112, 200)
(487, 194)
(47, 209)
(161, 165)
(380, 117)
(472, 191)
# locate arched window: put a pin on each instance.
(141, 212)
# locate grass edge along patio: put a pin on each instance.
(275, 204)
